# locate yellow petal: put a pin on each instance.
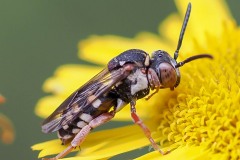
(101, 49)
(65, 81)
(209, 14)
(46, 105)
(206, 18)
(101, 144)
(68, 78)
(184, 153)
(142, 109)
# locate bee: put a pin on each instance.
(128, 77)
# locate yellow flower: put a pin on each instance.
(200, 119)
(6, 127)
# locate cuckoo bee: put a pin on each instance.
(128, 77)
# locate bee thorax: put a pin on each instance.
(139, 81)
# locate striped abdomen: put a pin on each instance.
(93, 110)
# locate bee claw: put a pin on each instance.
(165, 153)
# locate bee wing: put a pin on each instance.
(82, 97)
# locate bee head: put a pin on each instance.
(164, 71)
(165, 68)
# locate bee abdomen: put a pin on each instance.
(99, 106)
(68, 131)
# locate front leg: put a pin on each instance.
(81, 136)
(145, 129)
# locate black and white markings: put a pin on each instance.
(81, 124)
(140, 81)
(69, 130)
(86, 117)
(96, 103)
(65, 127)
(75, 130)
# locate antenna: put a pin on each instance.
(179, 64)
(186, 18)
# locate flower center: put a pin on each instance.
(204, 110)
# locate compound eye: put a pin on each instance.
(168, 75)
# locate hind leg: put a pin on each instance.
(81, 136)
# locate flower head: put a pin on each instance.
(199, 119)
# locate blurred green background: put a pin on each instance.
(38, 36)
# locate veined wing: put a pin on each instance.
(82, 97)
